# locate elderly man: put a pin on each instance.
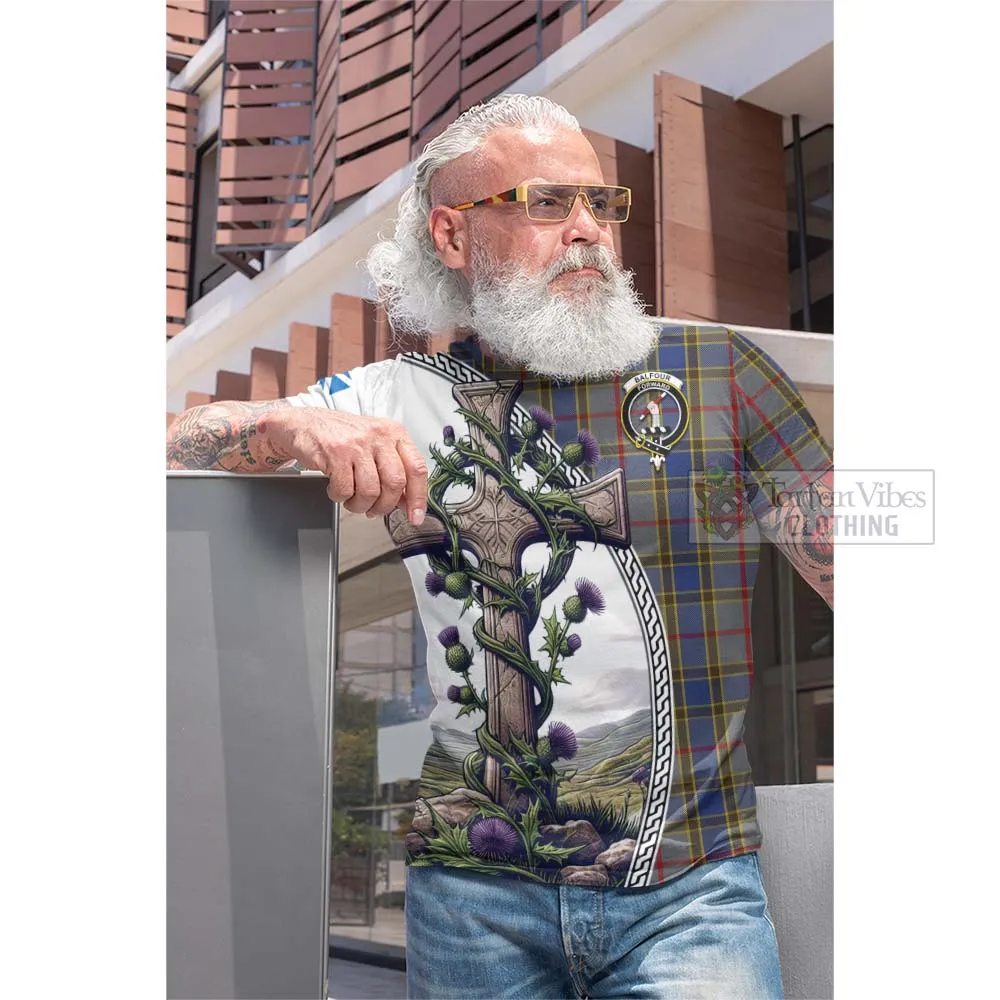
(586, 825)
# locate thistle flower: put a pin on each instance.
(460, 695)
(584, 449)
(542, 417)
(562, 741)
(591, 596)
(448, 636)
(541, 420)
(448, 435)
(641, 775)
(458, 585)
(434, 583)
(493, 838)
(588, 597)
(591, 448)
(570, 644)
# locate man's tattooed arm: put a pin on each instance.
(223, 436)
(802, 528)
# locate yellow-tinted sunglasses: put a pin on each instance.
(554, 202)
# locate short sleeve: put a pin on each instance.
(782, 448)
(364, 390)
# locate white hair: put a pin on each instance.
(417, 291)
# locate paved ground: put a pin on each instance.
(389, 928)
(355, 981)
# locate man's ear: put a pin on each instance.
(451, 240)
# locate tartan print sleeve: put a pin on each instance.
(787, 464)
(782, 447)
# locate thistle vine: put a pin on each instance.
(527, 765)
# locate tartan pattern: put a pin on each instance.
(746, 417)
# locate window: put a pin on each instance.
(789, 724)
(208, 270)
(817, 179)
(216, 13)
(381, 706)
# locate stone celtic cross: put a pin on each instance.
(496, 528)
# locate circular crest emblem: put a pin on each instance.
(655, 413)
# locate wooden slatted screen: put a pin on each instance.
(182, 138)
(437, 37)
(720, 220)
(635, 242)
(231, 385)
(596, 9)
(187, 28)
(560, 22)
(308, 357)
(501, 41)
(325, 112)
(374, 95)
(265, 156)
(323, 101)
(394, 74)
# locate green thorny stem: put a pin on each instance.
(554, 467)
(450, 471)
(480, 700)
(556, 654)
(544, 789)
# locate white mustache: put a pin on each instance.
(577, 257)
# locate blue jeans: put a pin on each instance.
(705, 934)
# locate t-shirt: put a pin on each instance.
(584, 576)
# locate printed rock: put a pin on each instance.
(455, 808)
(578, 833)
(618, 856)
(584, 875)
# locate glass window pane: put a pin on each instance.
(381, 732)
(789, 730)
(817, 170)
(207, 270)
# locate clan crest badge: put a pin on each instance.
(655, 413)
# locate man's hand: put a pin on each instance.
(373, 464)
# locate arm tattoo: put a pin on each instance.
(222, 436)
(802, 528)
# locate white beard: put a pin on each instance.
(591, 328)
